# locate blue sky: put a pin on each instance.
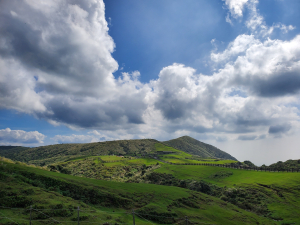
(225, 72)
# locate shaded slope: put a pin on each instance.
(56, 153)
(195, 147)
(11, 151)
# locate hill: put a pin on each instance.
(54, 198)
(45, 155)
(195, 147)
(287, 165)
(11, 151)
(273, 195)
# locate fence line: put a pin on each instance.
(256, 168)
(236, 167)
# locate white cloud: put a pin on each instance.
(56, 64)
(17, 137)
(75, 138)
(257, 25)
(236, 47)
(236, 7)
(284, 28)
(58, 67)
(93, 136)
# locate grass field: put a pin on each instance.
(138, 161)
(181, 157)
(280, 191)
(179, 160)
(111, 158)
(196, 172)
(144, 198)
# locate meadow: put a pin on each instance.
(51, 190)
(156, 180)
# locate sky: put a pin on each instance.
(225, 72)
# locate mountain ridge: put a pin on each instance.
(195, 147)
(44, 155)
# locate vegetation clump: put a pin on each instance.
(221, 174)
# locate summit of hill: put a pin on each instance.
(195, 147)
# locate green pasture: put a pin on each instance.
(161, 147)
(135, 161)
(111, 158)
(178, 159)
(49, 203)
(196, 172)
(146, 198)
(182, 157)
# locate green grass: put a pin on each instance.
(47, 202)
(162, 147)
(195, 147)
(181, 157)
(145, 198)
(140, 161)
(280, 190)
(196, 172)
(112, 158)
(78, 158)
(180, 160)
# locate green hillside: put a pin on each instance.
(275, 195)
(55, 197)
(12, 152)
(45, 155)
(150, 177)
(195, 147)
(126, 168)
(289, 164)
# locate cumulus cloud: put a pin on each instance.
(76, 138)
(255, 86)
(236, 47)
(276, 75)
(8, 136)
(56, 64)
(279, 129)
(92, 136)
(236, 7)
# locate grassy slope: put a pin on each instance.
(62, 152)
(145, 198)
(179, 156)
(282, 190)
(195, 147)
(46, 155)
(238, 177)
(122, 169)
(11, 151)
(286, 184)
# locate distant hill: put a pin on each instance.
(45, 155)
(56, 153)
(287, 165)
(11, 151)
(195, 147)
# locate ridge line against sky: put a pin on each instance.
(224, 72)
